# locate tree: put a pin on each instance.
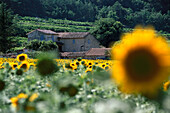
(6, 27)
(107, 30)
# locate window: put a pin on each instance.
(42, 37)
(52, 38)
(88, 41)
(73, 41)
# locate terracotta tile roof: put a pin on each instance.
(64, 54)
(72, 34)
(91, 52)
(47, 31)
(98, 52)
(72, 54)
(44, 31)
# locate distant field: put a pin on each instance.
(57, 25)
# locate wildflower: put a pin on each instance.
(14, 101)
(22, 95)
(48, 85)
(22, 57)
(141, 61)
(33, 97)
(166, 86)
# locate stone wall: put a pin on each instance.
(37, 35)
(73, 45)
(91, 42)
(81, 44)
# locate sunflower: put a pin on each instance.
(88, 70)
(14, 65)
(141, 61)
(22, 57)
(90, 63)
(24, 65)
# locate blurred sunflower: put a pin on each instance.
(33, 97)
(22, 57)
(141, 61)
(46, 66)
(22, 95)
(14, 101)
(166, 86)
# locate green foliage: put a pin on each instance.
(34, 54)
(18, 41)
(107, 30)
(41, 45)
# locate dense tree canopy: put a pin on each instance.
(128, 12)
(6, 27)
(107, 30)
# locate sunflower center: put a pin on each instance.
(15, 65)
(24, 66)
(141, 65)
(22, 58)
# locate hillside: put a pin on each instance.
(28, 24)
(128, 12)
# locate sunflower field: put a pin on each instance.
(136, 80)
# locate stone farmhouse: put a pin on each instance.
(67, 41)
